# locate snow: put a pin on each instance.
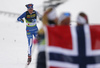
(13, 44)
(90, 7)
(18, 6)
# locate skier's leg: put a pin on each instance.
(30, 39)
(35, 32)
(36, 35)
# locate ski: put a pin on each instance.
(26, 66)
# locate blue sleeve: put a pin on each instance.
(22, 16)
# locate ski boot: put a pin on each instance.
(29, 60)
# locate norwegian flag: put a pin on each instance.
(73, 46)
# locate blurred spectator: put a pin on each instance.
(49, 18)
(64, 19)
(82, 19)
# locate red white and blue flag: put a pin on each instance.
(73, 46)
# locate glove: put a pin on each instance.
(40, 18)
(35, 41)
(22, 21)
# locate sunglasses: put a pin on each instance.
(30, 8)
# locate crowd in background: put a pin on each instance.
(50, 18)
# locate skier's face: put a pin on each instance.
(30, 10)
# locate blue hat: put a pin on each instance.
(29, 6)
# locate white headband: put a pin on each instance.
(52, 15)
(81, 20)
(62, 17)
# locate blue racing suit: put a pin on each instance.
(31, 27)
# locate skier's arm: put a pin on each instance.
(40, 16)
(20, 18)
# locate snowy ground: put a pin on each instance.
(13, 44)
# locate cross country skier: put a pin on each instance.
(31, 28)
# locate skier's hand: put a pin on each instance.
(35, 41)
(40, 18)
(22, 21)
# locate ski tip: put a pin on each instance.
(28, 63)
(26, 66)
